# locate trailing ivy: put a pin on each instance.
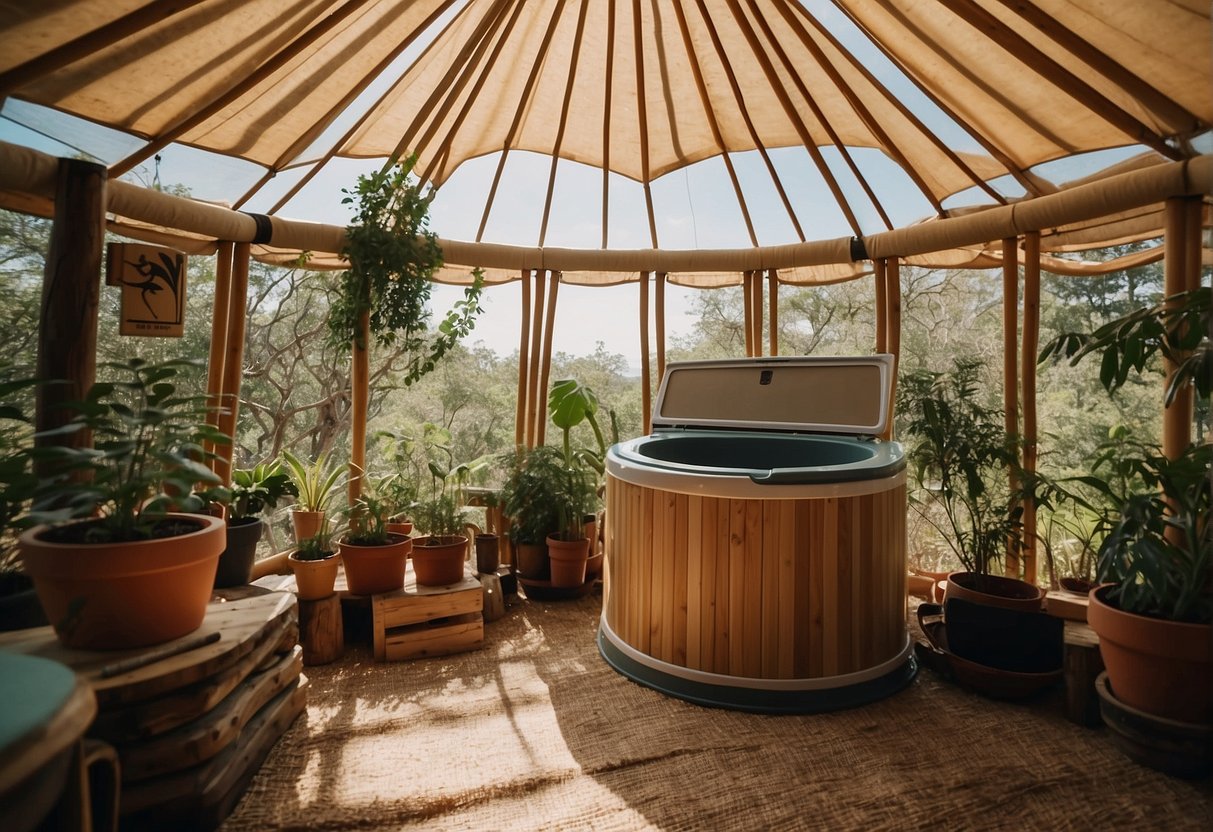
(393, 257)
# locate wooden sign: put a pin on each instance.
(152, 281)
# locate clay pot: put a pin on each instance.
(371, 570)
(236, 562)
(438, 561)
(487, 557)
(567, 559)
(400, 526)
(995, 591)
(306, 523)
(110, 596)
(532, 561)
(314, 579)
(1164, 668)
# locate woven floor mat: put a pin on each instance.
(535, 731)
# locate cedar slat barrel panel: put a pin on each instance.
(771, 589)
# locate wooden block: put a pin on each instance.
(241, 625)
(140, 720)
(1082, 663)
(201, 796)
(320, 630)
(493, 597)
(203, 738)
(1066, 605)
(434, 638)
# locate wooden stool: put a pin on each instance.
(419, 621)
(320, 630)
(1082, 664)
(494, 598)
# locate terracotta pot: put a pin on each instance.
(307, 523)
(593, 566)
(532, 560)
(314, 579)
(487, 556)
(934, 592)
(109, 596)
(438, 561)
(236, 562)
(371, 570)
(1076, 586)
(995, 591)
(1164, 668)
(400, 526)
(590, 525)
(567, 559)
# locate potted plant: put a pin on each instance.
(373, 554)
(529, 496)
(438, 556)
(315, 486)
(118, 561)
(253, 491)
(1154, 613)
(570, 404)
(960, 451)
(568, 546)
(314, 562)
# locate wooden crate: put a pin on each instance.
(419, 621)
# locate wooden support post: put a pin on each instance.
(756, 305)
(532, 406)
(748, 316)
(1177, 418)
(71, 288)
(773, 311)
(646, 391)
(893, 330)
(1031, 342)
(523, 359)
(1010, 372)
(320, 630)
(233, 361)
(545, 367)
(360, 399)
(659, 314)
(882, 306)
(214, 367)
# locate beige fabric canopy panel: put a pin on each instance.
(962, 95)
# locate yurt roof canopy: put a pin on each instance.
(799, 105)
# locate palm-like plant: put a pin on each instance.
(316, 482)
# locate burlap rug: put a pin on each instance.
(535, 731)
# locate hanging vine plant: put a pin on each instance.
(393, 256)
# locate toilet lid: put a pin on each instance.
(803, 394)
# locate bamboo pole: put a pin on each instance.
(564, 120)
(523, 359)
(773, 311)
(893, 339)
(360, 398)
(532, 405)
(71, 289)
(659, 313)
(1177, 418)
(1010, 373)
(233, 360)
(747, 323)
(1031, 342)
(646, 390)
(756, 305)
(882, 306)
(214, 365)
(545, 368)
(609, 79)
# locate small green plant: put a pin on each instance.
(256, 489)
(319, 546)
(569, 404)
(368, 518)
(531, 492)
(315, 482)
(960, 452)
(148, 455)
(393, 257)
